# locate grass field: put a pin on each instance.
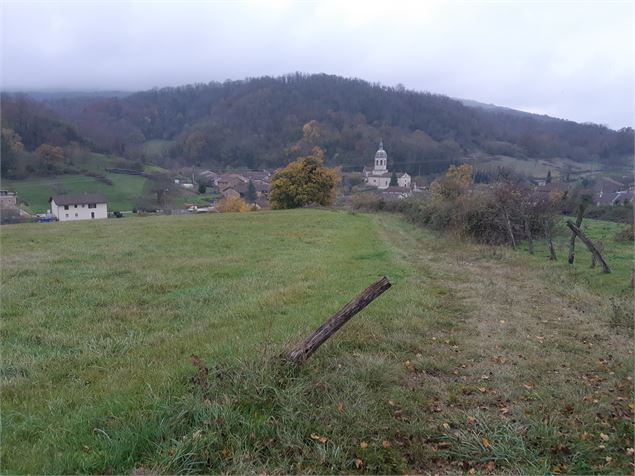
(157, 146)
(35, 193)
(477, 359)
(94, 162)
(618, 254)
(537, 167)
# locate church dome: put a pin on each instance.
(381, 153)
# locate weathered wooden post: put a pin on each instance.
(303, 351)
(530, 241)
(600, 246)
(589, 244)
(509, 228)
(552, 250)
(578, 223)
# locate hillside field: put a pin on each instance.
(478, 359)
(35, 193)
(537, 167)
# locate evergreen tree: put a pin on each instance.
(251, 194)
(548, 179)
(393, 180)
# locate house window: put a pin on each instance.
(67, 215)
(66, 208)
(75, 206)
(83, 205)
(75, 215)
(92, 205)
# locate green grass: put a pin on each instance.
(155, 169)
(535, 167)
(100, 320)
(35, 193)
(94, 162)
(157, 146)
(618, 255)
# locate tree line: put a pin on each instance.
(261, 123)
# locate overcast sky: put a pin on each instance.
(566, 59)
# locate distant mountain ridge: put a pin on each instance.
(55, 94)
(267, 121)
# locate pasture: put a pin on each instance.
(478, 359)
(35, 192)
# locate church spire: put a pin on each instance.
(381, 144)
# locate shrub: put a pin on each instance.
(477, 214)
(616, 213)
(232, 204)
(626, 234)
(306, 181)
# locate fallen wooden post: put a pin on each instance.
(303, 351)
(589, 244)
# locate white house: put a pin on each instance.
(379, 176)
(80, 206)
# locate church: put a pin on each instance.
(379, 176)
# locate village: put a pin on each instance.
(251, 188)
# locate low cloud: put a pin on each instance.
(571, 60)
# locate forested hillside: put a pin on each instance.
(266, 122)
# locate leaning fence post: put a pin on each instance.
(589, 244)
(304, 350)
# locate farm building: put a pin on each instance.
(80, 206)
(8, 198)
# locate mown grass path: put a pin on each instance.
(543, 365)
(478, 359)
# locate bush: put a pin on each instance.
(475, 214)
(10, 216)
(617, 213)
(232, 204)
(304, 182)
(626, 234)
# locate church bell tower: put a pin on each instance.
(381, 158)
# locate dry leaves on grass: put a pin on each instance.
(321, 439)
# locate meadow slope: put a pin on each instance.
(478, 359)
